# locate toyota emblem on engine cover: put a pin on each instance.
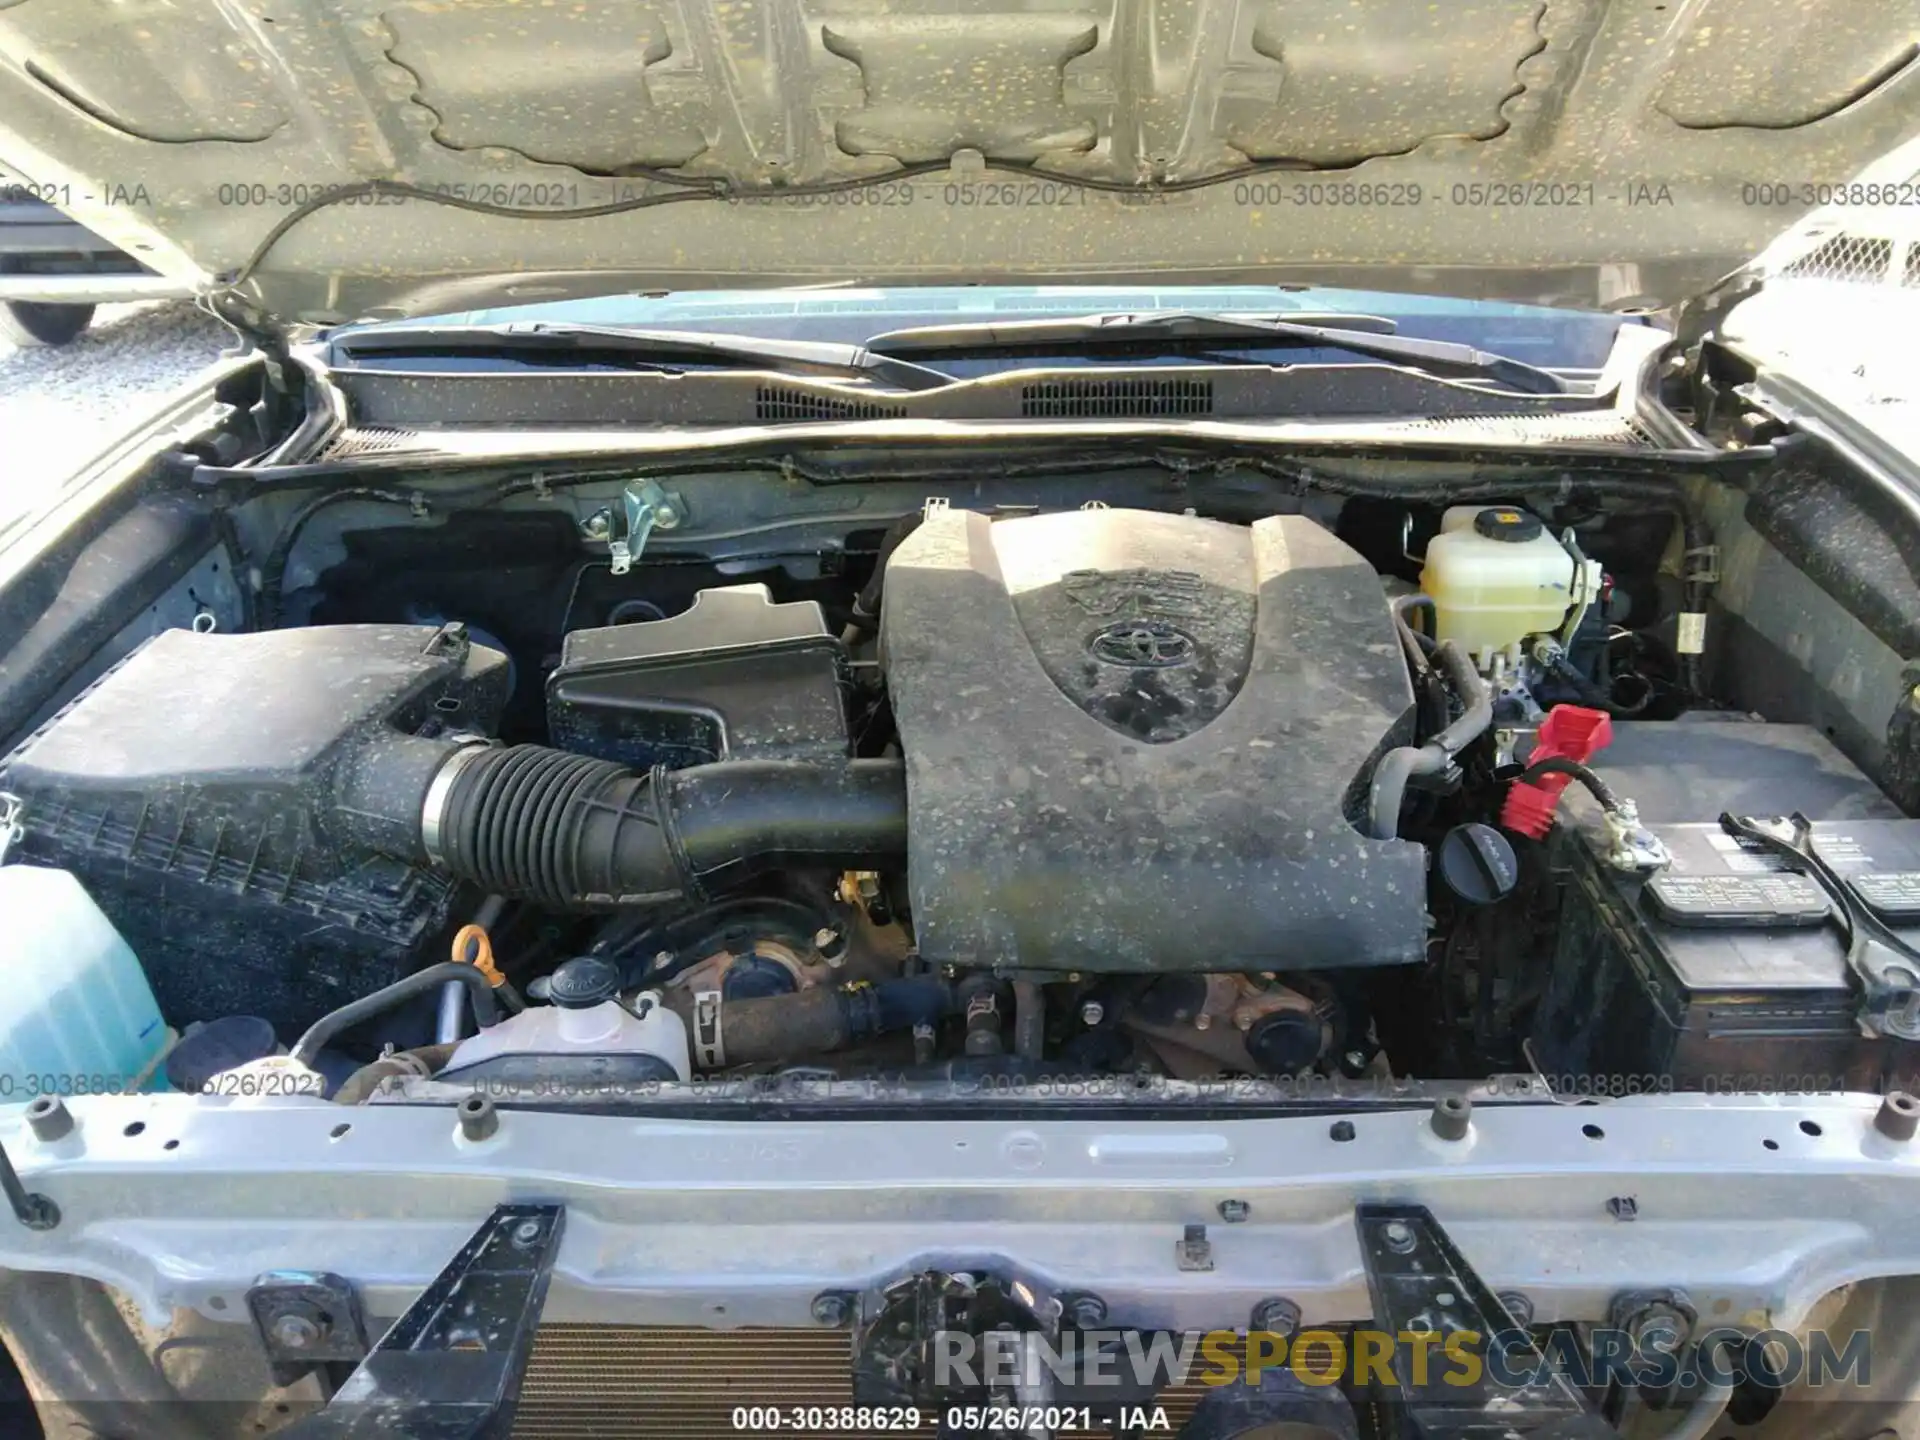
(1142, 645)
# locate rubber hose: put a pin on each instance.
(383, 1000)
(1477, 698)
(422, 1062)
(778, 1028)
(903, 1004)
(1591, 695)
(1419, 649)
(1397, 767)
(1402, 607)
(452, 1014)
(866, 605)
(572, 832)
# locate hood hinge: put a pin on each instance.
(1698, 320)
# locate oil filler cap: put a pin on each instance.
(1504, 523)
(583, 982)
(1476, 862)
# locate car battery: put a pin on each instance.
(1727, 970)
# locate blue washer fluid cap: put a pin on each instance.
(216, 1046)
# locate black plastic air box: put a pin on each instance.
(195, 791)
(735, 676)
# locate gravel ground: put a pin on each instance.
(60, 406)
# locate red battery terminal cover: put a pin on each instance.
(1570, 732)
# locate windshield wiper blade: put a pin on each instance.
(649, 348)
(1356, 334)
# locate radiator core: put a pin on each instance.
(595, 1382)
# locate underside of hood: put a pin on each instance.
(321, 160)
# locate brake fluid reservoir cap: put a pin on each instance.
(583, 982)
(1503, 523)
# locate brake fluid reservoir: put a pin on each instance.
(1496, 576)
(76, 1009)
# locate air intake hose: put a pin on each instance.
(570, 832)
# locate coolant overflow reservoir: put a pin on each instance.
(586, 1034)
(1496, 575)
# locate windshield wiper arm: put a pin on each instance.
(1176, 327)
(646, 347)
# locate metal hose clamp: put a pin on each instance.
(439, 791)
(709, 1049)
(12, 831)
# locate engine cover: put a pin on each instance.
(1139, 742)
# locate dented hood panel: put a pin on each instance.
(1566, 151)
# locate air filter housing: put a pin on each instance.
(202, 791)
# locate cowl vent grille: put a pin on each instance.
(1606, 427)
(779, 402)
(371, 440)
(1115, 399)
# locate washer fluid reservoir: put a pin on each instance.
(77, 1008)
(1496, 575)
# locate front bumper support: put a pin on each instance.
(1423, 1286)
(1756, 1207)
(451, 1366)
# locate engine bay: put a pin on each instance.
(1356, 788)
